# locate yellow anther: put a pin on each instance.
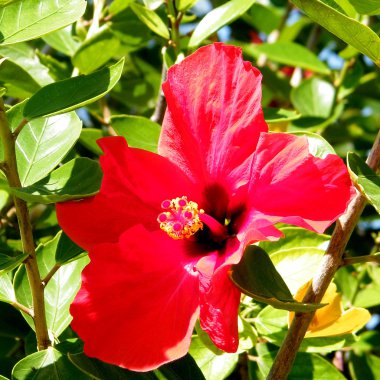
(180, 218)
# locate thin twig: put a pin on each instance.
(330, 263)
(159, 111)
(20, 127)
(361, 260)
(52, 272)
(23, 308)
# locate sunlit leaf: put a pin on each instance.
(218, 18)
(139, 131)
(257, 277)
(8, 263)
(7, 293)
(76, 179)
(24, 20)
(151, 19)
(72, 93)
(47, 364)
(279, 115)
(290, 53)
(349, 30)
(60, 290)
(365, 178)
(367, 7)
(43, 143)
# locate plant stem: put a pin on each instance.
(361, 259)
(23, 308)
(330, 263)
(22, 212)
(51, 273)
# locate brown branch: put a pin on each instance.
(361, 260)
(330, 263)
(23, 308)
(22, 212)
(159, 111)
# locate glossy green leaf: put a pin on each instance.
(96, 51)
(72, 93)
(347, 29)
(213, 366)
(318, 146)
(151, 19)
(291, 54)
(65, 249)
(139, 131)
(314, 97)
(364, 367)
(99, 370)
(25, 20)
(367, 7)
(153, 4)
(62, 41)
(88, 139)
(60, 290)
(25, 57)
(3, 378)
(183, 5)
(279, 115)
(76, 179)
(365, 178)
(8, 263)
(218, 18)
(257, 277)
(7, 293)
(43, 143)
(47, 364)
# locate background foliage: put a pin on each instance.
(72, 71)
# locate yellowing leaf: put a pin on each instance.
(331, 320)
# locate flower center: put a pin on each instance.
(181, 218)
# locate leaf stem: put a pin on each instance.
(22, 212)
(361, 259)
(330, 263)
(51, 273)
(23, 308)
(20, 127)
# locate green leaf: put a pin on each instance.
(78, 178)
(66, 250)
(218, 18)
(7, 293)
(279, 115)
(153, 4)
(139, 131)
(184, 5)
(318, 146)
(72, 93)
(347, 29)
(151, 19)
(96, 51)
(88, 139)
(62, 40)
(306, 366)
(60, 290)
(367, 7)
(364, 367)
(99, 370)
(47, 364)
(25, 20)
(8, 263)
(213, 366)
(257, 277)
(292, 54)
(42, 144)
(365, 178)
(314, 97)
(182, 369)
(25, 57)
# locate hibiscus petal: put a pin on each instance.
(219, 297)
(139, 300)
(290, 185)
(135, 182)
(214, 115)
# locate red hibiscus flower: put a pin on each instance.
(164, 229)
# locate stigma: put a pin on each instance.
(180, 218)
